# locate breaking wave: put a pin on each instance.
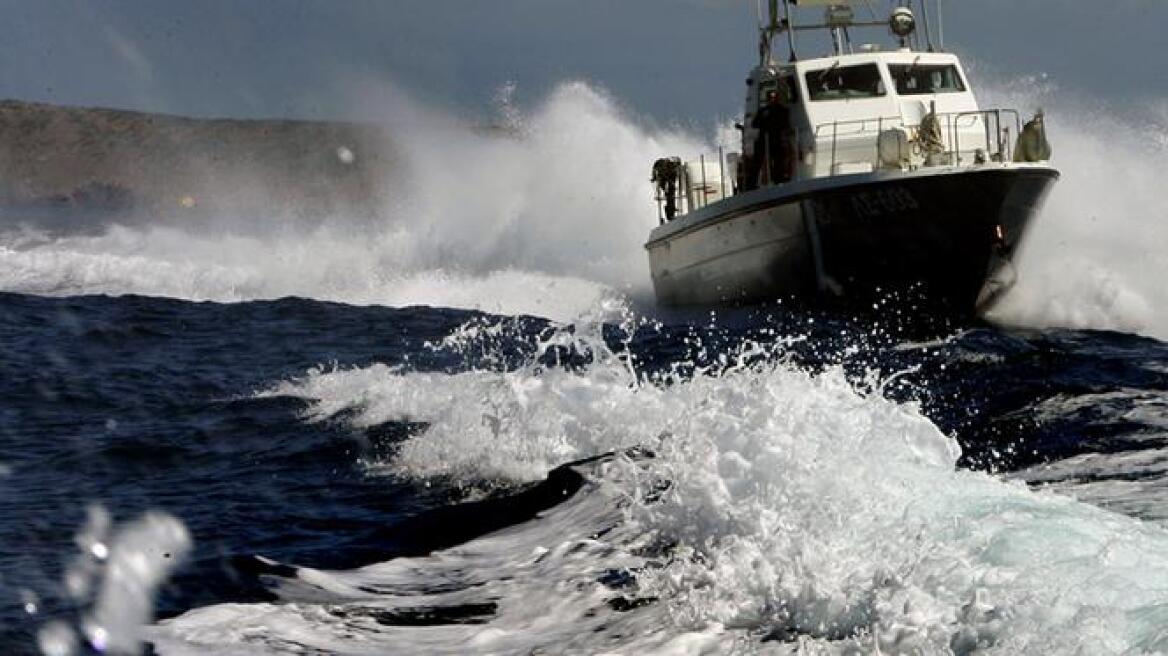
(766, 509)
(544, 215)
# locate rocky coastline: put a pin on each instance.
(120, 161)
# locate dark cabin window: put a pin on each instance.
(915, 80)
(786, 87)
(844, 82)
(764, 90)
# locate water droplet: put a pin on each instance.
(57, 639)
(99, 551)
(98, 638)
(30, 600)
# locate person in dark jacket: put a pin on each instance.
(772, 146)
(666, 172)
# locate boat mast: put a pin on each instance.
(838, 19)
(928, 29)
(940, 28)
(837, 41)
(787, 21)
(773, 27)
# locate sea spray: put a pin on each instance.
(545, 216)
(1094, 257)
(767, 509)
(127, 565)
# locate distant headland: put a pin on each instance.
(126, 161)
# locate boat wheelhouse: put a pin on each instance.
(881, 171)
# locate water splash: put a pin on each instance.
(544, 215)
(1095, 255)
(130, 564)
(768, 509)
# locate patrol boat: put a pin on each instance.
(886, 176)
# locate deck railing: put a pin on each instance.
(993, 142)
(971, 137)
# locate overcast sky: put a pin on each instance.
(670, 60)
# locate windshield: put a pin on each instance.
(915, 79)
(843, 82)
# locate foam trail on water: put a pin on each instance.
(546, 215)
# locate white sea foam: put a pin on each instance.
(797, 509)
(1096, 255)
(128, 565)
(168, 262)
(544, 217)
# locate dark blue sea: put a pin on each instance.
(297, 476)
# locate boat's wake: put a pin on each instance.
(763, 509)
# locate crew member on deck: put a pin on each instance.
(666, 172)
(772, 146)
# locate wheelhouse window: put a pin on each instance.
(918, 79)
(786, 87)
(845, 82)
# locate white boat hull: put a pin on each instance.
(950, 232)
(761, 253)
